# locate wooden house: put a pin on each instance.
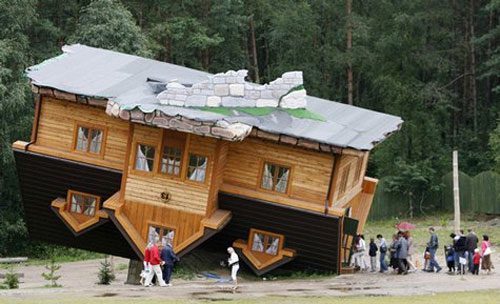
(126, 150)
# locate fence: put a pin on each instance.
(479, 194)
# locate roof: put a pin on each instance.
(123, 79)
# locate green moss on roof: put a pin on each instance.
(233, 111)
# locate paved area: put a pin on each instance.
(79, 279)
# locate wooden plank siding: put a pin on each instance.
(310, 173)
(56, 130)
(353, 168)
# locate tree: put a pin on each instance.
(51, 275)
(495, 146)
(108, 24)
(106, 275)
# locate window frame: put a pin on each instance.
(173, 140)
(162, 226)
(344, 179)
(87, 152)
(278, 164)
(155, 159)
(207, 168)
(267, 234)
(69, 203)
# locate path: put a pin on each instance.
(78, 279)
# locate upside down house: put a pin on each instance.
(125, 150)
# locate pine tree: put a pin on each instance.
(108, 24)
(106, 274)
(51, 276)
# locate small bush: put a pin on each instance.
(11, 280)
(51, 276)
(106, 275)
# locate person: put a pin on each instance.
(168, 258)
(411, 251)
(486, 254)
(393, 262)
(471, 242)
(402, 254)
(233, 263)
(147, 267)
(427, 258)
(433, 245)
(372, 252)
(476, 260)
(449, 253)
(460, 248)
(155, 261)
(383, 251)
(358, 257)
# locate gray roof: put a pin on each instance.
(123, 79)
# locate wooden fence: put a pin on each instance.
(480, 194)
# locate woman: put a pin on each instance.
(233, 263)
(486, 254)
(411, 251)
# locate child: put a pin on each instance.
(476, 260)
(427, 258)
(449, 252)
(372, 252)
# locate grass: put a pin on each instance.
(483, 297)
(441, 222)
(297, 113)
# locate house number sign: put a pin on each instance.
(165, 196)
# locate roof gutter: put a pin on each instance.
(36, 121)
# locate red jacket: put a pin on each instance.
(147, 255)
(155, 256)
(476, 258)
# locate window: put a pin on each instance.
(275, 177)
(158, 233)
(82, 203)
(171, 160)
(359, 166)
(197, 167)
(145, 158)
(265, 242)
(89, 139)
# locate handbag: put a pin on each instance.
(487, 251)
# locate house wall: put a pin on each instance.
(310, 173)
(57, 128)
(189, 200)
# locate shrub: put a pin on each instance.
(11, 280)
(51, 276)
(106, 275)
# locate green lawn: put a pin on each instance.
(483, 297)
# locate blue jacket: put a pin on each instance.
(168, 256)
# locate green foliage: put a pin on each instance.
(495, 146)
(51, 275)
(108, 24)
(11, 280)
(106, 274)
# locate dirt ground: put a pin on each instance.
(79, 279)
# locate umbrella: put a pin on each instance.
(405, 226)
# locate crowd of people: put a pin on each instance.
(464, 253)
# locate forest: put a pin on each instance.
(435, 63)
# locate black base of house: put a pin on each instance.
(315, 237)
(44, 178)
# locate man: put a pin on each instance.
(471, 241)
(460, 246)
(169, 258)
(402, 254)
(433, 245)
(383, 251)
(154, 261)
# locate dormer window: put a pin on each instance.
(83, 203)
